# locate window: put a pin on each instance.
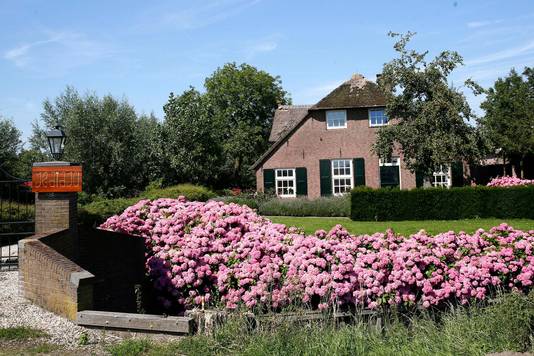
(377, 117)
(342, 176)
(285, 183)
(442, 177)
(390, 172)
(336, 119)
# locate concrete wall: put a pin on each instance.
(312, 142)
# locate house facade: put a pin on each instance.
(325, 149)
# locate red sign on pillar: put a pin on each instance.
(56, 179)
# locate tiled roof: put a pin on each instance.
(285, 117)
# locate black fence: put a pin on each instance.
(17, 212)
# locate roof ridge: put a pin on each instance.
(299, 106)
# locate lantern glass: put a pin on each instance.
(56, 142)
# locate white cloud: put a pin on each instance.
(209, 13)
(506, 54)
(57, 53)
(264, 45)
(478, 24)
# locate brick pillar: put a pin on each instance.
(56, 211)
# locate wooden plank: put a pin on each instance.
(147, 322)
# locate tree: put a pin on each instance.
(149, 132)
(10, 144)
(192, 140)
(430, 115)
(509, 119)
(243, 100)
(102, 134)
(213, 138)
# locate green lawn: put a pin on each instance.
(312, 224)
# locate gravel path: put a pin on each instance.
(17, 311)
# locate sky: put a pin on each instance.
(143, 50)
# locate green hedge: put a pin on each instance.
(99, 210)
(442, 204)
(324, 206)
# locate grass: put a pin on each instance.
(20, 333)
(504, 325)
(312, 224)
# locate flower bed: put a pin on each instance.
(507, 181)
(212, 253)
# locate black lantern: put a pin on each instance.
(56, 141)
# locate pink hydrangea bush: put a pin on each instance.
(507, 181)
(212, 253)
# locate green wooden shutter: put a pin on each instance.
(359, 171)
(325, 170)
(268, 180)
(457, 174)
(302, 181)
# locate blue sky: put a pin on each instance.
(143, 50)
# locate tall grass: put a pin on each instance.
(506, 324)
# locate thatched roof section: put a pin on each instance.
(355, 92)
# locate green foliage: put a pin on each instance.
(10, 143)
(20, 333)
(504, 325)
(106, 136)
(213, 138)
(243, 100)
(192, 140)
(324, 206)
(83, 339)
(100, 209)
(509, 119)
(430, 116)
(442, 204)
(190, 191)
(131, 347)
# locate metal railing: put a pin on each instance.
(17, 217)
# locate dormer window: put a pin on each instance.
(377, 117)
(336, 119)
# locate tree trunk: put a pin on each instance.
(522, 166)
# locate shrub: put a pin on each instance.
(100, 209)
(505, 325)
(324, 206)
(210, 253)
(442, 204)
(507, 181)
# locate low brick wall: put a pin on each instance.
(67, 272)
(51, 280)
(118, 263)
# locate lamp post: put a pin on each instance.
(56, 141)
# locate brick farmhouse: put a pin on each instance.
(325, 149)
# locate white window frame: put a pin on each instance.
(279, 179)
(377, 109)
(394, 161)
(442, 173)
(342, 176)
(329, 127)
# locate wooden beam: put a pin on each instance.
(141, 322)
